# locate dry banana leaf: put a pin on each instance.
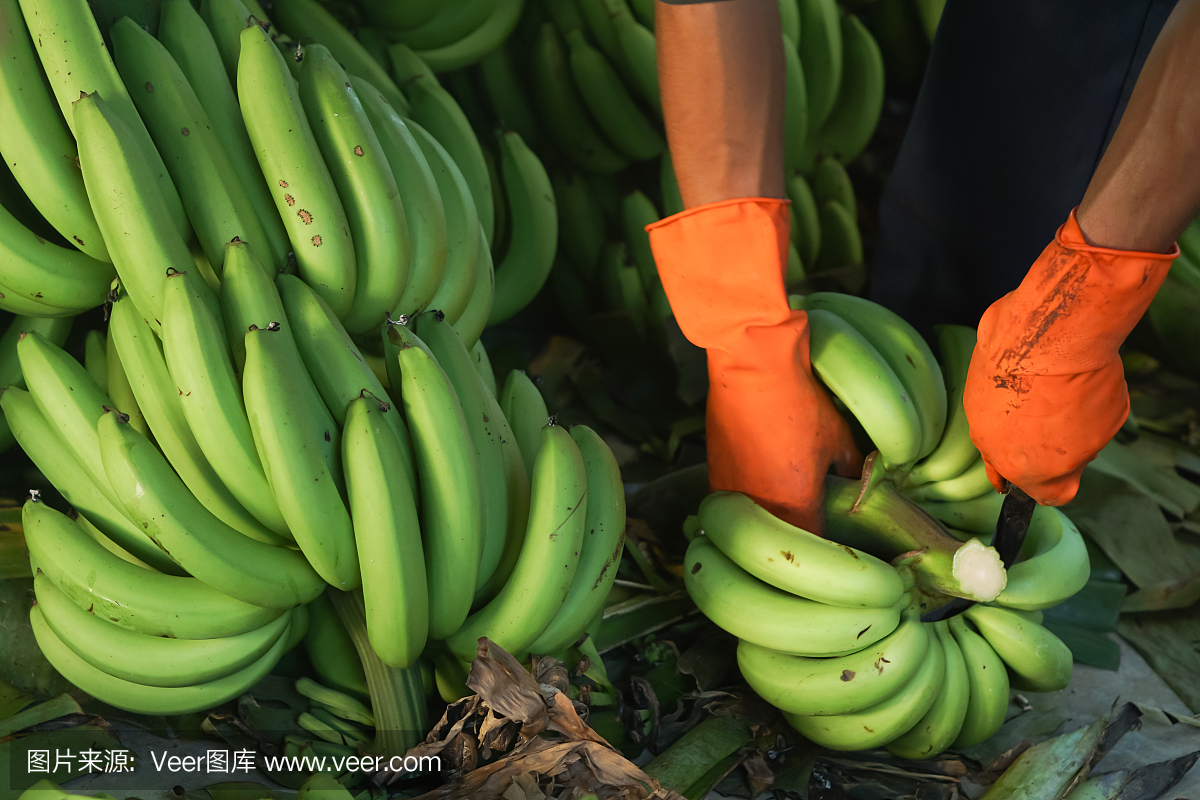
(551, 746)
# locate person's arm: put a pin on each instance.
(721, 76)
(1146, 188)
(1046, 390)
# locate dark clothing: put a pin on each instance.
(1019, 100)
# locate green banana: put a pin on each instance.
(225, 20)
(37, 144)
(340, 703)
(611, 105)
(297, 175)
(55, 329)
(389, 14)
(452, 510)
(307, 20)
(530, 254)
(40, 278)
(157, 394)
(486, 434)
(855, 113)
(479, 308)
(580, 220)
(806, 223)
(562, 111)
(856, 372)
(436, 110)
(462, 229)
(603, 544)
(621, 285)
(483, 367)
(76, 61)
(334, 362)
(331, 650)
(448, 25)
(830, 182)
(119, 389)
(150, 660)
(509, 99)
(972, 483)
(795, 267)
(383, 508)
(955, 451)
(883, 722)
(133, 597)
(94, 356)
(116, 549)
(214, 553)
(526, 412)
(197, 357)
(55, 460)
(69, 399)
(644, 10)
(881, 521)
(789, 19)
(212, 194)
(366, 186)
(248, 297)
(491, 34)
(189, 41)
(941, 724)
(1038, 660)
(795, 115)
(821, 55)
(542, 577)
(516, 481)
(291, 432)
(724, 592)
(902, 349)
(841, 685)
(129, 208)
(418, 188)
(636, 56)
(638, 211)
(841, 243)
(142, 699)
(987, 698)
(794, 560)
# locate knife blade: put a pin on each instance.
(1011, 527)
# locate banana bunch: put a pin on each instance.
(446, 36)
(832, 634)
(382, 200)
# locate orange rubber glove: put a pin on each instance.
(1046, 389)
(772, 431)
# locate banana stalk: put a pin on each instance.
(872, 515)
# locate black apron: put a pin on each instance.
(1019, 100)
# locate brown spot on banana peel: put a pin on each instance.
(291, 201)
(358, 151)
(305, 216)
(316, 240)
(283, 184)
(847, 675)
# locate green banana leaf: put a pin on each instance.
(1167, 640)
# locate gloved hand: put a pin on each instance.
(772, 431)
(1046, 389)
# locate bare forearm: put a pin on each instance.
(721, 74)
(1147, 186)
